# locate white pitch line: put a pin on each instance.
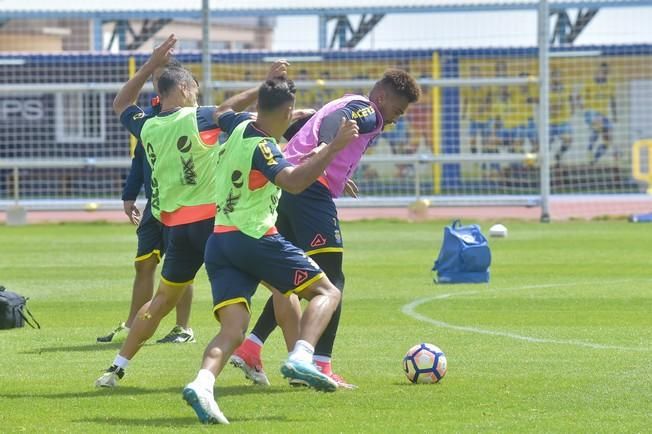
(410, 310)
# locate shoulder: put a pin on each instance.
(134, 113)
(229, 120)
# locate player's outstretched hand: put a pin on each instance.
(132, 211)
(279, 69)
(162, 53)
(347, 133)
(351, 188)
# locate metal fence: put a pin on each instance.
(473, 139)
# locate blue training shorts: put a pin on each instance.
(236, 263)
(185, 251)
(152, 236)
(309, 220)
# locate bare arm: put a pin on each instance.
(128, 94)
(241, 101)
(296, 179)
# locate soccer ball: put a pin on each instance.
(424, 363)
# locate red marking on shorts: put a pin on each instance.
(318, 241)
(299, 277)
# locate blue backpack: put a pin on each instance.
(464, 256)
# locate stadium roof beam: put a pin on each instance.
(343, 27)
(565, 31)
(148, 29)
(125, 9)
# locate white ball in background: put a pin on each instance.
(498, 231)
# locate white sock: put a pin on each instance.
(302, 352)
(121, 362)
(255, 339)
(205, 379)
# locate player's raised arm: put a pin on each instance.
(297, 178)
(128, 94)
(241, 101)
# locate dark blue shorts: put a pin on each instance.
(152, 236)
(309, 220)
(237, 263)
(185, 251)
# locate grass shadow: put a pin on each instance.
(75, 348)
(135, 391)
(173, 421)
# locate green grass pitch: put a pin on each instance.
(559, 341)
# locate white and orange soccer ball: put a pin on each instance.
(424, 363)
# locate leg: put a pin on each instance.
(266, 322)
(234, 319)
(148, 255)
(288, 316)
(232, 290)
(145, 324)
(331, 264)
(324, 298)
(141, 292)
(184, 307)
(181, 333)
(149, 317)
(143, 287)
(151, 247)
(247, 357)
(184, 257)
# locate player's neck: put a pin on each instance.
(173, 102)
(268, 126)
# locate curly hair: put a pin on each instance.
(401, 83)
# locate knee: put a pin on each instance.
(333, 293)
(234, 333)
(146, 266)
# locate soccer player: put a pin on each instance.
(151, 240)
(476, 103)
(246, 249)
(180, 146)
(309, 219)
(599, 101)
(561, 110)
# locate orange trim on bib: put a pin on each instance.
(188, 214)
(322, 180)
(257, 180)
(222, 229)
(209, 137)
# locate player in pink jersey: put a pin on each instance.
(309, 219)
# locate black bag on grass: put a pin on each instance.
(12, 311)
